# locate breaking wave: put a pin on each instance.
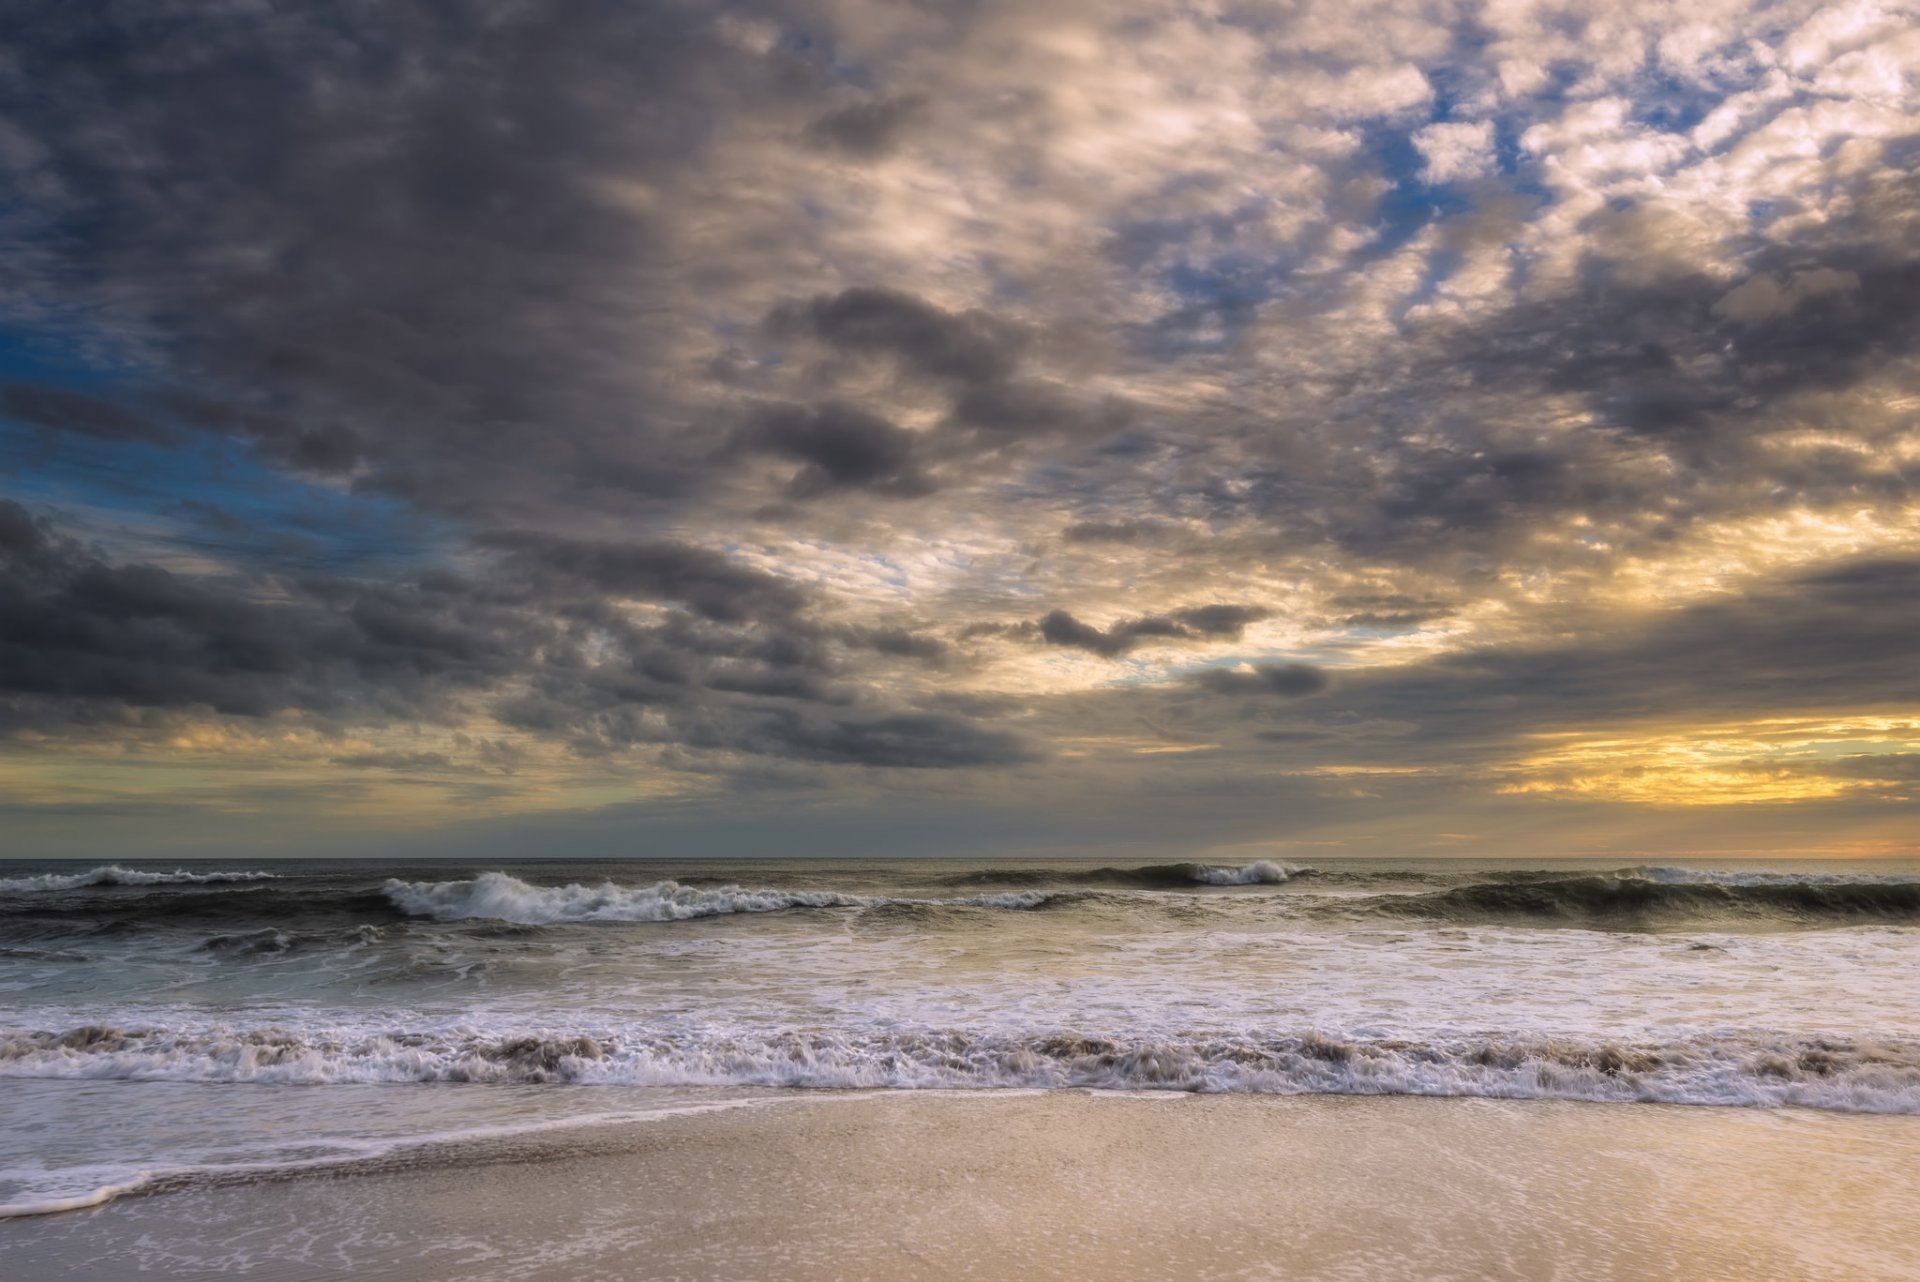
(499, 897)
(1824, 1073)
(1261, 872)
(114, 875)
(1642, 898)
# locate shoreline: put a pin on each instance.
(1063, 1184)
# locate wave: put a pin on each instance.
(1824, 1073)
(1748, 877)
(499, 897)
(1261, 872)
(1183, 875)
(1632, 900)
(115, 875)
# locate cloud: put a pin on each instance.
(1201, 623)
(64, 411)
(1290, 680)
(1454, 150)
(840, 447)
(1761, 298)
(662, 389)
(918, 741)
(969, 347)
(81, 631)
(707, 582)
(866, 130)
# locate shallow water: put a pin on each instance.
(156, 1019)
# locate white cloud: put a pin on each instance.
(1456, 150)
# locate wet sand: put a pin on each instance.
(1065, 1185)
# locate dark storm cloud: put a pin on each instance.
(970, 347)
(1204, 623)
(382, 235)
(82, 637)
(81, 630)
(702, 580)
(840, 447)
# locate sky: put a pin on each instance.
(1269, 430)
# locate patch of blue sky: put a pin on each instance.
(58, 356)
(1219, 297)
(1219, 293)
(1411, 202)
(1670, 104)
(205, 497)
(189, 494)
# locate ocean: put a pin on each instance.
(179, 1025)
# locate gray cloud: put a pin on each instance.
(723, 673)
(65, 411)
(968, 347)
(706, 582)
(866, 129)
(840, 447)
(1292, 680)
(1205, 622)
(76, 627)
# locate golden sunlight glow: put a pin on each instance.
(1777, 760)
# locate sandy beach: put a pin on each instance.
(1063, 1185)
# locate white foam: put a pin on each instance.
(114, 875)
(499, 897)
(1262, 872)
(53, 1204)
(1733, 1069)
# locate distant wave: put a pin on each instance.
(114, 875)
(1751, 877)
(1663, 896)
(499, 897)
(1845, 1075)
(1263, 872)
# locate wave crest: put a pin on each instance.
(115, 875)
(499, 897)
(1261, 872)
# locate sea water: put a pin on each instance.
(169, 1024)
